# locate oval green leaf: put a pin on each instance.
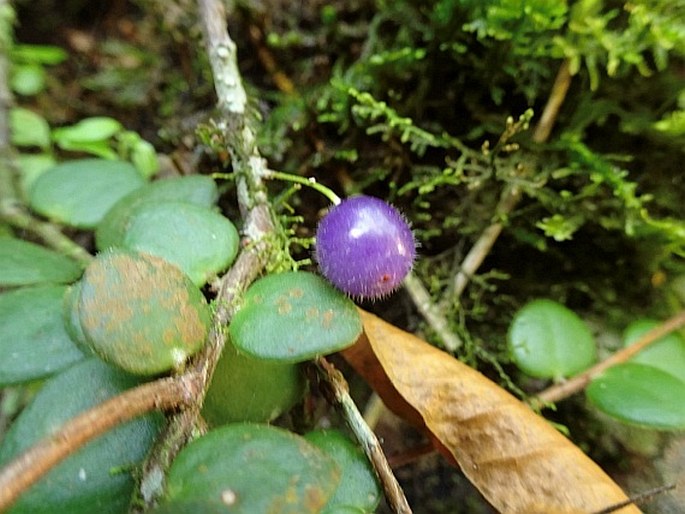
(72, 318)
(641, 395)
(358, 490)
(253, 469)
(199, 241)
(89, 130)
(667, 354)
(23, 263)
(195, 189)
(32, 166)
(40, 54)
(28, 128)
(141, 313)
(33, 340)
(294, 317)
(28, 79)
(97, 478)
(244, 388)
(144, 158)
(547, 340)
(79, 193)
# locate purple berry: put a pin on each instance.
(365, 247)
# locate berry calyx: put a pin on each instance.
(365, 247)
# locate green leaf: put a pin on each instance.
(190, 507)
(547, 340)
(293, 317)
(98, 477)
(29, 129)
(101, 149)
(144, 158)
(641, 395)
(358, 490)
(80, 192)
(39, 54)
(195, 189)
(32, 166)
(89, 130)
(141, 313)
(23, 263)
(28, 79)
(559, 227)
(199, 241)
(244, 388)
(667, 353)
(33, 340)
(71, 315)
(253, 469)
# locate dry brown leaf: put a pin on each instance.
(513, 456)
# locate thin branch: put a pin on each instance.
(639, 498)
(512, 195)
(187, 390)
(431, 312)
(579, 382)
(434, 314)
(556, 99)
(339, 390)
(249, 168)
(480, 250)
(30, 466)
(222, 54)
(13, 213)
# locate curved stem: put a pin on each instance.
(306, 181)
(30, 466)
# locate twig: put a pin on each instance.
(434, 314)
(230, 93)
(512, 195)
(249, 168)
(480, 250)
(578, 383)
(13, 213)
(339, 390)
(556, 98)
(30, 466)
(431, 312)
(639, 498)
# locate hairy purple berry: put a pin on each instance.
(365, 247)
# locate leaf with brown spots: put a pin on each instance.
(294, 317)
(140, 312)
(513, 456)
(246, 468)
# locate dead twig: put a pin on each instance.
(340, 394)
(434, 314)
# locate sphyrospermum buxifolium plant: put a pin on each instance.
(138, 307)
